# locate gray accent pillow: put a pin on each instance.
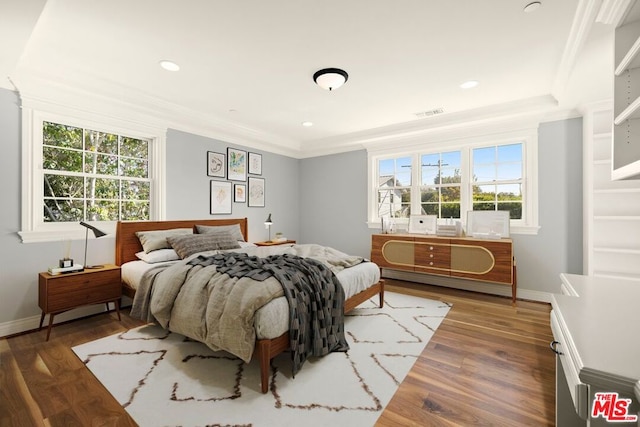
(157, 239)
(234, 229)
(188, 245)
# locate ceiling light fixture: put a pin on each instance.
(169, 65)
(469, 84)
(330, 78)
(307, 124)
(532, 7)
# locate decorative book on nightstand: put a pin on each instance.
(63, 292)
(275, 243)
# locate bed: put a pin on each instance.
(360, 282)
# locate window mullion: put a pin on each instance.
(416, 180)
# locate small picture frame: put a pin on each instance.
(422, 224)
(220, 197)
(216, 164)
(239, 193)
(255, 163)
(255, 192)
(236, 164)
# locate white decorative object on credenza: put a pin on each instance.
(422, 224)
(488, 224)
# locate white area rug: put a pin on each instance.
(164, 379)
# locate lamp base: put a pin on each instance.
(93, 267)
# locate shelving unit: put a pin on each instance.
(626, 141)
(612, 208)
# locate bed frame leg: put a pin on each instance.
(381, 293)
(264, 356)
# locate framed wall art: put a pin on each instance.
(216, 164)
(255, 163)
(239, 193)
(236, 164)
(256, 192)
(220, 197)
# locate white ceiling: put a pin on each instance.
(247, 65)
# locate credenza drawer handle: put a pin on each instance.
(552, 346)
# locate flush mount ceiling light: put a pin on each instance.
(533, 6)
(330, 78)
(307, 124)
(169, 65)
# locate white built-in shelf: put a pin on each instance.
(616, 275)
(631, 112)
(616, 250)
(631, 59)
(617, 190)
(616, 217)
(603, 136)
(626, 162)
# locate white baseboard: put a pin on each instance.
(467, 285)
(31, 323)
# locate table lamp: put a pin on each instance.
(268, 223)
(97, 233)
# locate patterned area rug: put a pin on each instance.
(165, 379)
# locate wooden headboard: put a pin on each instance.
(127, 243)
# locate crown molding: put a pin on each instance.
(583, 20)
(613, 11)
(441, 127)
(140, 110)
(96, 96)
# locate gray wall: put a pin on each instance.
(188, 186)
(321, 200)
(558, 246)
(334, 206)
(333, 202)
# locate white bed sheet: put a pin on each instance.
(272, 320)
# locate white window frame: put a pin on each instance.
(34, 228)
(529, 138)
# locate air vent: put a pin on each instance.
(423, 114)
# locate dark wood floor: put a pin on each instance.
(489, 363)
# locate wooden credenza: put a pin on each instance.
(461, 257)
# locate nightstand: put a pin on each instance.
(270, 243)
(63, 292)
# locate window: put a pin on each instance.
(483, 174)
(497, 179)
(93, 176)
(440, 184)
(82, 167)
(394, 188)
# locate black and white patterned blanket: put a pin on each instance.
(315, 296)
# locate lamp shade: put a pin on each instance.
(96, 232)
(268, 221)
(330, 78)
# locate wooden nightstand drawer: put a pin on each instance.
(68, 291)
(84, 289)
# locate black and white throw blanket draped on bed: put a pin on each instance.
(315, 296)
(213, 298)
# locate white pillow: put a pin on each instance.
(247, 245)
(161, 255)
